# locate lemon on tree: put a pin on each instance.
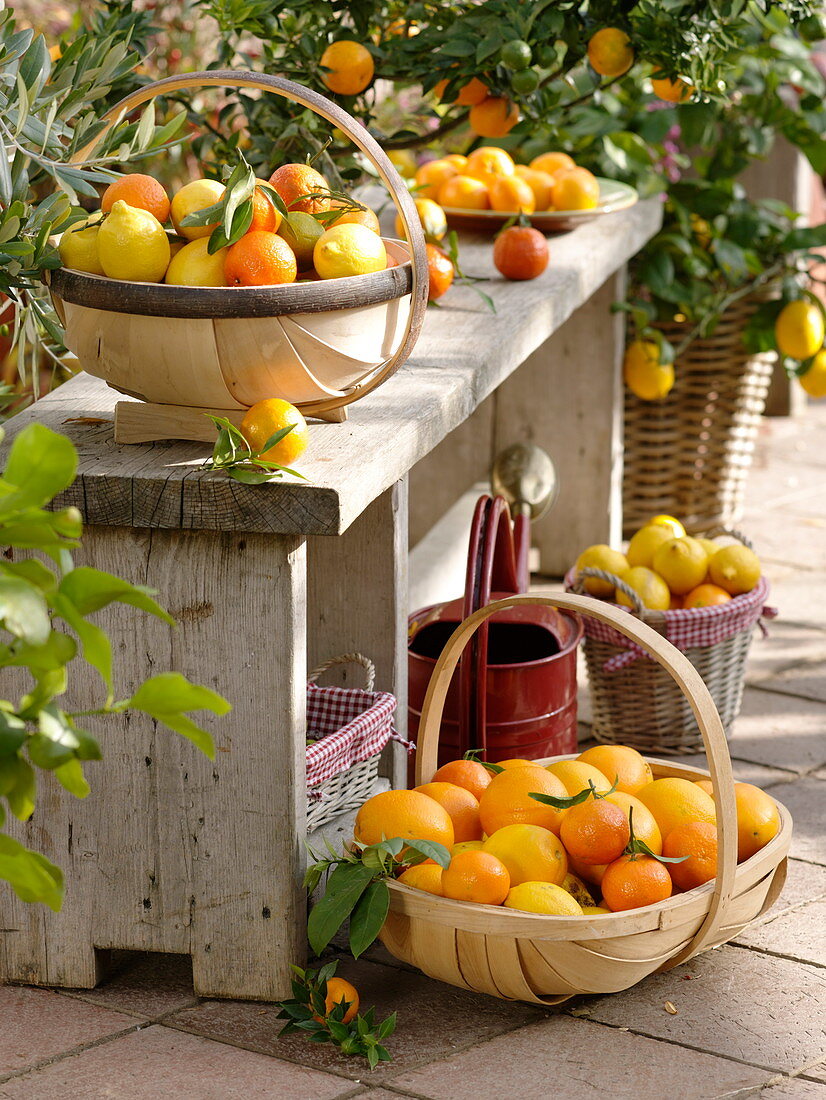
(735, 568)
(610, 52)
(644, 374)
(192, 265)
(348, 249)
(649, 586)
(78, 248)
(813, 380)
(642, 546)
(799, 329)
(682, 563)
(192, 198)
(602, 557)
(133, 245)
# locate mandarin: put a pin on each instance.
(674, 801)
(489, 162)
(292, 181)
(462, 806)
(706, 595)
(339, 990)
(440, 272)
(260, 258)
(261, 422)
(610, 52)
(576, 775)
(424, 876)
(494, 117)
(551, 163)
(265, 214)
(698, 841)
(541, 183)
(430, 177)
(138, 190)
(758, 819)
(349, 67)
(507, 801)
(470, 774)
(621, 764)
(354, 216)
(511, 194)
(464, 193)
(633, 881)
(520, 252)
(595, 831)
(577, 189)
(476, 876)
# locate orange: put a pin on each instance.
(464, 193)
(705, 785)
(619, 763)
(353, 216)
(577, 189)
(263, 419)
(551, 163)
(541, 183)
(516, 762)
(588, 872)
(431, 176)
(424, 876)
(470, 774)
(339, 990)
(698, 841)
(469, 94)
(635, 880)
(139, 191)
(520, 252)
(461, 805)
(676, 603)
(476, 876)
(512, 194)
(260, 259)
(576, 774)
(493, 117)
(672, 91)
(264, 212)
(440, 272)
(488, 162)
(349, 67)
(675, 801)
(610, 52)
(706, 595)
(408, 814)
(595, 831)
(530, 853)
(507, 801)
(294, 180)
(758, 819)
(645, 825)
(458, 161)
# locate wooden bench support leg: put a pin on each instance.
(173, 852)
(357, 601)
(567, 398)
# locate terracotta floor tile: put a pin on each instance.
(38, 1024)
(146, 985)
(159, 1063)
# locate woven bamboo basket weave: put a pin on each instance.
(545, 959)
(689, 455)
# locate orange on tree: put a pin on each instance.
(674, 801)
(338, 990)
(813, 379)
(423, 876)
(476, 876)
(464, 193)
(595, 831)
(470, 774)
(469, 94)
(758, 819)
(494, 117)
(488, 162)
(672, 91)
(698, 841)
(541, 183)
(260, 258)
(619, 764)
(347, 67)
(410, 815)
(644, 374)
(530, 853)
(553, 162)
(635, 880)
(706, 595)
(576, 775)
(293, 181)
(577, 189)
(440, 272)
(512, 194)
(138, 190)
(610, 52)
(461, 805)
(264, 419)
(520, 252)
(507, 800)
(265, 214)
(430, 177)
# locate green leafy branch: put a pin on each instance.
(233, 454)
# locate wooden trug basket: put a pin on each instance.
(185, 351)
(546, 959)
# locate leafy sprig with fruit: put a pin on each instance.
(233, 454)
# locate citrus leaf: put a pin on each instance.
(431, 849)
(351, 880)
(368, 916)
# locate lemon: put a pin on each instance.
(78, 248)
(710, 546)
(670, 522)
(593, 910)
(735, 568)
(133, 245)
(530, 853)
(433, 219)
(642, 546)
(404, 162)
(575, 776)
(814, 380)
(466, 846)
(649, 586)
(682, 563)
(601, 557)
(192, 197)
(645, 376)
(348, 250)
(301, 231)
(542, 897)
(578, 890)
(799, 329)
(192, 265)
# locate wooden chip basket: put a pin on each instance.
(187, 350)
(546, 959)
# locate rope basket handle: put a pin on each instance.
(687, 679)
(638, 607)
(348, 659)
(337, 116)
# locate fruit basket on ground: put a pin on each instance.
(705, 597)
(185, 349)
(347, 729)
(544, 954)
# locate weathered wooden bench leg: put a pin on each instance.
(173, 852)
(357, 601)
(567, 397)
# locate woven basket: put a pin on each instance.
(689, 455)
(543, 959)
(355, 725)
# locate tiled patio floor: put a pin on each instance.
(750, 1016)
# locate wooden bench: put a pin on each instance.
(174, 853)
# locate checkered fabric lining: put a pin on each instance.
(348, 726)
(694, 628)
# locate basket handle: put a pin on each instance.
(638, 606)
(674, 662)
(348, 659)
(402, 200)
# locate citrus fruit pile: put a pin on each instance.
(584, 836)
(671, 571)
(293, 235)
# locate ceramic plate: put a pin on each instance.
(613, 196)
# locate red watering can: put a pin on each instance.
(514, 694)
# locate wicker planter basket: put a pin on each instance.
(689, 455)
(544, 959)
(183, 350)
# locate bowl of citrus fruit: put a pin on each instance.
(487, 188)
(222, 294)
(575, 874)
